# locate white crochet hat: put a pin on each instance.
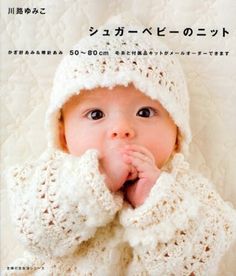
(158, 76)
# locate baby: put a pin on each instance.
(113, 194)
(134, 135)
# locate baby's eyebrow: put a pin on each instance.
(89, 97)
(89, 102)
(79, 101)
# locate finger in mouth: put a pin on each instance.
(129, 183)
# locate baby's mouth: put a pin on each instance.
(129, 182)
(131, 179)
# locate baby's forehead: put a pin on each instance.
(119, 93)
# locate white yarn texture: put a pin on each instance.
(72, 225)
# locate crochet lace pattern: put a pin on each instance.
(72, 225)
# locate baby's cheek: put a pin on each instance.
(162, 157)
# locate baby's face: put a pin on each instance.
(107, 120)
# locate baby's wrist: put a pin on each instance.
(156, 175)
(151, 177)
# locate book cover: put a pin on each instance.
(36, 35)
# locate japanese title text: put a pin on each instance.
(158, 31)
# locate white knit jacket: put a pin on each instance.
(72, 224)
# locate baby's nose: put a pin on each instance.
(122, 131)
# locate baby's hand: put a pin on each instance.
(147, 171)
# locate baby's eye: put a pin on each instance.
(95, 114)
(146, 112)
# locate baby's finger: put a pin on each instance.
(141, 149)
(140, 156)
(138, 163)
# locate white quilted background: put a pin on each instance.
(26, 82)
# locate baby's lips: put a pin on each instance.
(119, 146)
(133, 174)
